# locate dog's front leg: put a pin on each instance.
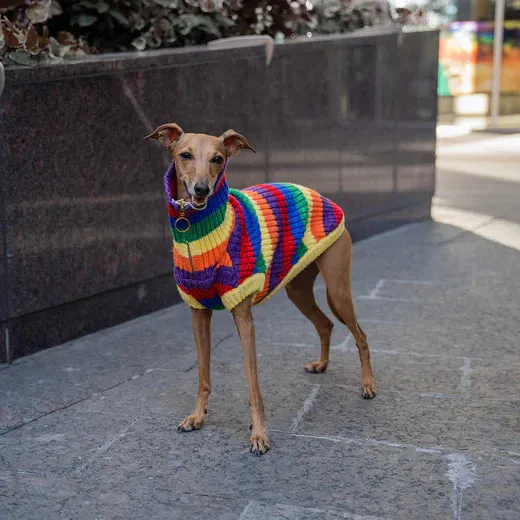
(246, 330)
(202, 331)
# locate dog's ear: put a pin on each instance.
(167, 134)
(234, 142)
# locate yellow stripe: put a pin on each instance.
(208, 242)
(308, 237)
(266, 246)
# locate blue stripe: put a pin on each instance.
(296, 223)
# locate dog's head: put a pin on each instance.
(199, 158)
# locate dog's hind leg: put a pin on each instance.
(300, 292)
(334, 266)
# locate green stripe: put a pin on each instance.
(246, 201)
(303, 209)
(204, 227)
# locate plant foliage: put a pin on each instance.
(41, 30)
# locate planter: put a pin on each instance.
(84, 234)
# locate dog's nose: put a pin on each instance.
(201, 189)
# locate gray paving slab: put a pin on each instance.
(71, 499)
(225, 469)
(427, 421)
(39, 384)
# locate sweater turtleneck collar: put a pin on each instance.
(193, 220)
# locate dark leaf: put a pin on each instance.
(139, 43)
(87, 4)
(224, 21)
(83, 20)
(39, 12)
(22, 58)
(102, 7)
(139, 22)
(13, 37)
(172, 4)
(43, 42)
(56, 9)
(120, 17)
(66, 38)
(74, 53)
(31, 40)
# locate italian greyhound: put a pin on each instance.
(233, 249)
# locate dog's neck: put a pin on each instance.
(202, 226)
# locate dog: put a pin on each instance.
(234, 249)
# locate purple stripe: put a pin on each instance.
(206, 278)
(329, 219)
(234, 244)
(277, 262)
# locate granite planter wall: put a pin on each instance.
(84, 240)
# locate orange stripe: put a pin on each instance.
(316, 218)
(273, 233)
(202, 261)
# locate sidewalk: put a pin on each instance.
(88, 428)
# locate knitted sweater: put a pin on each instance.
(249, 242)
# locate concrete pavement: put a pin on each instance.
(88, 428)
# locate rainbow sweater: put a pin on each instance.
(249, 242)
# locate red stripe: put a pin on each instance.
(246, 255)
(285, 236)
(216, 289)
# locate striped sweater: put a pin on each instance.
(249, 242)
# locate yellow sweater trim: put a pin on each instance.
(248, 287)
(190, 300)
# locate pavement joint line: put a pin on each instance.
(306, 407)
(299, 510)
(429, 395)
(71, 404)
(27, 472)
(364, 442)
(415, 282)
(474, 274)
(464, 386)
(435, 450)
(388, 299)
(375, 291)
(105, 447)
(115, 414)
(343, 347)
(246, 509)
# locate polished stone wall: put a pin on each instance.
(84, 240)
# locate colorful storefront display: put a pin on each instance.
(466, 58)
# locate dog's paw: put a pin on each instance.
(259, 443)
(316, 367)
(191, 423)
(368, 388)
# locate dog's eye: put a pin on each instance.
(186, 155)
(218, 160)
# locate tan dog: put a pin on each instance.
(197, 180)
